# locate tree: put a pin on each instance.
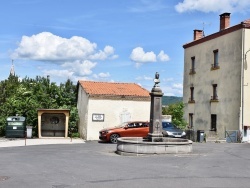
(176, 110)
(26, 96)
(7, 89)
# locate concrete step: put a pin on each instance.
(214, 140)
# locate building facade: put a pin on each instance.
(105, 104)
(216, 86)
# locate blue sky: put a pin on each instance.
(107, 40)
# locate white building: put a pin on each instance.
(106, 104)
(216, 86)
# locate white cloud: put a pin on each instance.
(169, 94)
(109, 50)
(48, 47)
(213, 6)
(101, 75)
(139, 56)
(104, 75)
(177, 86)
(106, 53)
(80, 68)
(73, 70)
(59, 73)
(75, 55)
(170, 89)
(162, 56)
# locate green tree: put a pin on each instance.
(26, 96)
(7, 89)
(176, 110)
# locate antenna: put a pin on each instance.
(203, 27)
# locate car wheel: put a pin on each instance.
(113, 138)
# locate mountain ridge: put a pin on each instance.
(167, 100)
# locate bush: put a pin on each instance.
(75, 135)
(176, 110)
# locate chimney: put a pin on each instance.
(198, 34)
(224, 20)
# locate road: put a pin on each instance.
(95, 165)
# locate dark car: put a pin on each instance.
(129, 129)
(171, 130)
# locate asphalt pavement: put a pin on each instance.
(92, 164)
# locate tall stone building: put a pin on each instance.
(216, 86)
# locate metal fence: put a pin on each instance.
(232, 136)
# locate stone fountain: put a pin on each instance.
(155, 143)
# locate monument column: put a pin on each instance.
(155, 126)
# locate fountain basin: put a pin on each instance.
(165, 145)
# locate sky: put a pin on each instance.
(107, 40)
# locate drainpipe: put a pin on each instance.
(243, 85)
(242, 80)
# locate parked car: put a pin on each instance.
(171, 130)
(129, 129)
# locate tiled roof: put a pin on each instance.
(246, 22)
(115, 89)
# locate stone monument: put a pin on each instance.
(155, 143)
(155, 127)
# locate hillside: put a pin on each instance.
(167, 100)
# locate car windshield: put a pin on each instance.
(168, 125)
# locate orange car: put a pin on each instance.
(129, 129)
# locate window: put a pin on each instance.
(214, 97)
(191, 121)
(192, 70)
(131, 125)
(213, 122)
(145, 125)
(191, 99)
(215, 64)
(168, 125)
(137, 125)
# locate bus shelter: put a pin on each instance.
(53, 122)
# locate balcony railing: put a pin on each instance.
(191, 100)
(214, 98)
(213, 129)
(192, 71)
(215, 66)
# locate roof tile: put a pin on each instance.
(111, 88)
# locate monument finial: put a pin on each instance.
(157, 79)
